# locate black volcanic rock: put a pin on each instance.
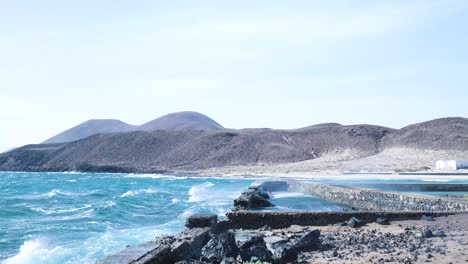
(220, 247)
(181, 121)
(89, 128)
(255, 249)
(252, 199)
(198, 221)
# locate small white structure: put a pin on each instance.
(451, 164)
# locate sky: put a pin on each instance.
(277, 64)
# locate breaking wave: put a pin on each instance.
(200, 192)
(37, 251)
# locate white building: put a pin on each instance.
(451, 164)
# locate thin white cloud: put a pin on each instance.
(324, 23)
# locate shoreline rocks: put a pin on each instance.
(199, 221)
(251, 199)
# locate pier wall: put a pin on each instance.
(375, 200)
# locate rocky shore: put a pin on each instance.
(427, 240)
(362, 235)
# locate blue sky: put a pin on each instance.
(279, 64)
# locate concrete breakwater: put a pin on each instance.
(375, 200)
(255, 220)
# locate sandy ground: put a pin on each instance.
(332, 165)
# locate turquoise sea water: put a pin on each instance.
(80, 218)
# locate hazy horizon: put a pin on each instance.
(244, 64)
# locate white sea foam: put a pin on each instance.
(279, 195)
(200, 192)
(154, 176)
(60, 211)
(435, 180)
(37, 251)
(137, 192)
(51, 194)
(108, 204)
(72, 181)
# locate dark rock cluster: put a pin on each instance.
(222, 248)
(252, 198)
(380, 247)
(198, 221)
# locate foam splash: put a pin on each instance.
(36, 251)
(279, 195)
(51, 194)
(137, 192)
(200, 192)
(61, 211)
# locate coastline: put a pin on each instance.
(265, 173)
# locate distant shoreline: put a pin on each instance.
(221, 172)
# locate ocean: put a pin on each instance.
(82, 217)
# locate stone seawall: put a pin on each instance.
(254, 220)
(375, 200)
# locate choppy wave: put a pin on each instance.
(156, 176)
(138, 192)
(37, 251)
(57, 218)
(200, 192)
(60, 211)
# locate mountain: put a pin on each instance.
(178, 150)
(141, 151)
(181, 121)
(174, 121)
(439, 134)
(90, 127)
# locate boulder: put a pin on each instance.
(199, 221)
(284, 253)
(427, 218)
(219, 248)
(310, 240)
(382, 221)
(354, 222)
(438, 233)
(252, 198)
(255, 249)
(426, 233)
(188, 244)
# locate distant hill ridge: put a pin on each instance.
(176, 121)
(184, 149)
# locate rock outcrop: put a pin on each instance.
(252, 198)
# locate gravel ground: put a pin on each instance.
(399, 242)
